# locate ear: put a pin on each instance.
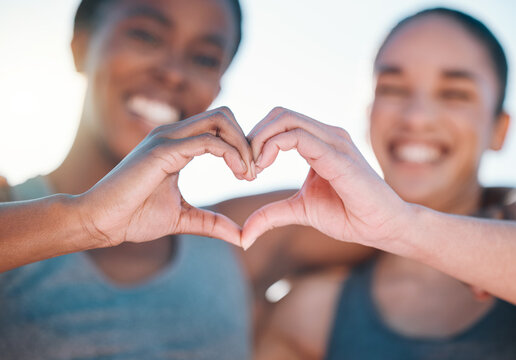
(500, 131)
(79, 45)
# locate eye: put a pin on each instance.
(144, 36)
(207, 61)
(455, 95)
(391, 90)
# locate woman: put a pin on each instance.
(440, 86)
(149, 64)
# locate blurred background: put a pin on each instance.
(313, 57)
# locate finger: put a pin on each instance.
(146, 167)
(323, 158)
(270, 216)
(220, 123)
(281, 121)
(207, 223)
(347, 171)
(273, 114)
(178, 153)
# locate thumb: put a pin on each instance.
(208, 223)
(273, 215)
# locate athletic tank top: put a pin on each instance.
(65, 308)
(360, 333)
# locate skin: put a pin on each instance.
(428, 93)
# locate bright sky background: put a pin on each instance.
(312, 56)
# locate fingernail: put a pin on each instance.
(259, 159)
(244, 166)
(247, 245)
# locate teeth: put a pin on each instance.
(155, 112)
(419, 154)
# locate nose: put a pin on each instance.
(419, 112)
(172, 71)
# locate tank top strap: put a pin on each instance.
(355, 310)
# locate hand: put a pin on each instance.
(342, 196)
(139, 199)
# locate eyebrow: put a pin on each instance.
(214, 39)
(459, 75)
(149, 12)
(388, 70)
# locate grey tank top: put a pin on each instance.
(64, 308)
(360, 333)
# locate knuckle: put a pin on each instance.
(298, 132)
(341, 132)
(278, 110)
(206, 139)
(156, 131)
(155, 142)
(224, 114)
(219, 118)
(224, 109)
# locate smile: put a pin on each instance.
(417, 153)
(152, 111)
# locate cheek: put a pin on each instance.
(383, 116)
(202, 92)
(469, 142)
(472, 128)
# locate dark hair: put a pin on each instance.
(478, 30)
(89, 13)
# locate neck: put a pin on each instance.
(461, 201)
(84, 165)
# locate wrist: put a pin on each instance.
(416, 224)
(84, 234)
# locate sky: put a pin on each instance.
(314, 57)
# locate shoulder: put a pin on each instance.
(301, 322)
(4, 190)
(499, 203)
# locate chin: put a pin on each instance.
(421, 193)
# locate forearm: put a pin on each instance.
(40, 229)
(479, 252)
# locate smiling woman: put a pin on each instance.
(433, 116)
(146, 66)
(438, 106)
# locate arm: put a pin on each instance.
(40, 229)
(137, 201)
(480, 252)
(344, 198)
